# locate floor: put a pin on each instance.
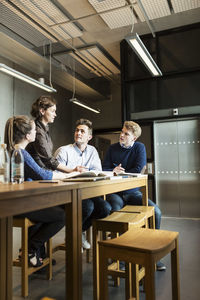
(189, 242)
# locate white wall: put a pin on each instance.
(6, 100)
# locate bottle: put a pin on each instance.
(4, 164)
(17, 166)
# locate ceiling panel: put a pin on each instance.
(96, 53)
(119, 18)
(116, 13)
(155, 8)
(103, 5)
(12, 19)
(183, 5)
(83, 60)
(93, 61)
(79, 66)
(48, 13)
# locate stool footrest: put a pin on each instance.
(59, 247)
(33, 269)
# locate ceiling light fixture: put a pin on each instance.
(137, 45)
(21, 76)
(78, 102)
(75, 100)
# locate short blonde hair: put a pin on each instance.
(134, 127)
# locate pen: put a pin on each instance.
(49, 181)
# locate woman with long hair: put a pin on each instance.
(19, 132)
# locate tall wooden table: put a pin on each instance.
(30, 196)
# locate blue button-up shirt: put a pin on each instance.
(72, 156)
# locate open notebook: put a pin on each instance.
(88, 176)
(97, 175)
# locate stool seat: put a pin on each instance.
(148, 210)
(145, 240)
(141, 246)
(120, 222)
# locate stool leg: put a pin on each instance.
(128, 281)
(49, 255)
(150, 279)
(135, 281)
(116, 280)
(103, 278)
(95, 262)
(24, 262)
(89, 239)
(175, 272)
(152, 221)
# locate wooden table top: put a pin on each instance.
(52, 194)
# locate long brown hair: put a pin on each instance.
(42, 102)
(16, 130)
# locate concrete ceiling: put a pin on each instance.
(82, 37)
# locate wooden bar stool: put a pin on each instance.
(148, 210)
(24, 224)
(140, 246)
(116, 223)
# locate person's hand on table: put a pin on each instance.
(118, 169)
(81, 169)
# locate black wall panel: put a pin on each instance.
(177, 54)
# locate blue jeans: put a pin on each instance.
(117, 201)
(94, 208)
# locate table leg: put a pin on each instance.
(6, 258)
(144, 190)
(72, 263)
(79, 250)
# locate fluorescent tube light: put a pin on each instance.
(137, 45)
(76, 101)
(21, 76)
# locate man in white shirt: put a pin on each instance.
(83, 157)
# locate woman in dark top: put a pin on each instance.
(19, 131)
(44, 112)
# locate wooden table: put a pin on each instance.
(30, 196)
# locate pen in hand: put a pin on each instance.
(118, 168)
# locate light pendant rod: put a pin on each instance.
(78, 102)
(146, 17)
(137, 45)
(21, 76)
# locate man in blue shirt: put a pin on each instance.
(83, 157)
(129, 156)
